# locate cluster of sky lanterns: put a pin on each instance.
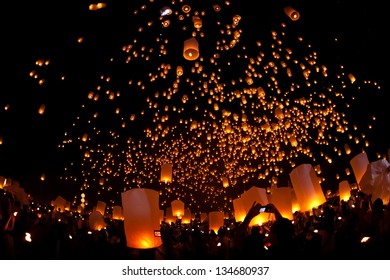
(209, 112)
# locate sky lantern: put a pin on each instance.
(203, 217)
(41, 109)
(291, 13)
(96, 221)
(282, 199)
(359, 165)
(239, 209)
(169, 218)
(141, 218)
(101, 207)
(295, 204)
(186, 219)
(117, 212)
(344, 190)
(307, 187)
(216, 220)
(258, 195)
(59, 204)
(1, 140)
(191, 49)
(166, 173)
(177, 208)
(2, 181)
(225, 182)
(376, 180)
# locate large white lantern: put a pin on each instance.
(282, 199)
(307, 187)
(216, 220)
(239, 209)
(166, 172)
(177, 208)
(141, 218)
(344, 190)
(359, 165)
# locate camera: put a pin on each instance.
(157, 233)
(263, 209)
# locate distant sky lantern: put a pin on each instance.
(41, 110)
(239, 209)
(97, 6)
(177, 207)
(191, 49)
(359, 165)
(141, 214)
(351, 78)
(291, 13)
(166, 173)
(85, 137)
(179, 70)
(43, 177)
(1, 140)
(197, 21)
(344, 190)
(216, 220)
(282, 199)
(347, 149)
(2, 181)
(225, 182)
(307, 187)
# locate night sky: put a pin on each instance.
(109, 75)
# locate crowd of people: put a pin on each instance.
(355, 229)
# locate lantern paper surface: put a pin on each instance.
(291, 13)
(216, 220)
(376, 180)
(141, 218)
(169, 218)
(254, 194)
(239, 209)
(96, 221)
(117, 213)
(359, 165)
(282, 199)
(191, 49)
(186, 219)
(59, 204)
(166, 172)
(177, 208)
(344, 190)
(307, 187)
(101, 207)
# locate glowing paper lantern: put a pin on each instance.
(59, 204)
(254, 194)
(166, 172)
(344, 190)
(203, 217)
(96, 221)
(239, 209)
(376, 180)
(141, 218)
(225, 182)
(3, 180)
(291, 13)
(216, 220)
(101, 207)
(359, 165)
(282, 199)
(117, 213)
(295, 205)
(177, 208)
(191, 49)
(169, 218)
(41, 109)
(307, 187)
(186, 219)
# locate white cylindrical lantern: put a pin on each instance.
(96, 221)
(191, 49)
(291, 13)
(258, 195)
(216, 220)
(239, 209)
(141, 218)
(59, 204)
(117, 213)
(101, 207)
(307, 187)
(169, 218)
(225, 182)
(359, 165)
(177, 208)
(282, 199)
(166, 172)
(186, 219)
(344, 190)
